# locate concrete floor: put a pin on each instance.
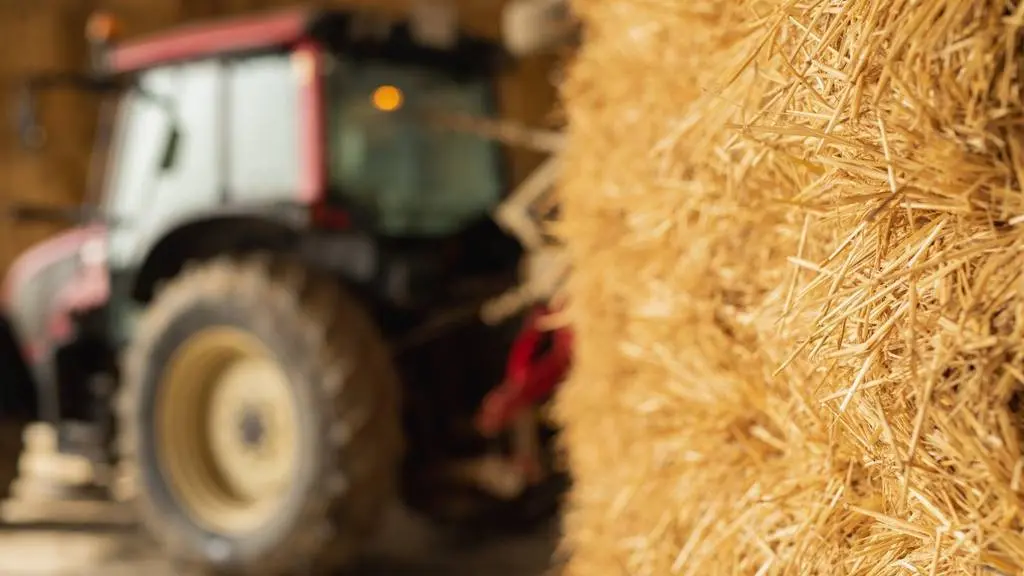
(99, 542)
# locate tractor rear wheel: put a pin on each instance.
(11, 444)
(259, 420)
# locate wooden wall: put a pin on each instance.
(48, 35)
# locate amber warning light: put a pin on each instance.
(101, 28)
(387, 98)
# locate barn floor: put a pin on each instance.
(43, 537)
(100, 542)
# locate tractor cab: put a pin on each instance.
(340, 121)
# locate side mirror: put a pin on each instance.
(31, 133)
(169, 156)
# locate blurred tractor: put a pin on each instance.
(265, 322)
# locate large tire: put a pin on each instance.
(347, 435)
(11, 445)
(18, 405)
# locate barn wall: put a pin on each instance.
(50, 34)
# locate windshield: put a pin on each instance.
(193, 136)
(387, 159)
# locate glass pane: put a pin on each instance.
(194, 182)
(135, 155)
(386, 157)
(263, 154)
(141, 196)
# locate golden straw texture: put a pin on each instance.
(796, 231)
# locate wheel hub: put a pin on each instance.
(252, 428)
(227, 430)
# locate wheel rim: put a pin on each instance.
(227, 430)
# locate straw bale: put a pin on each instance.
(796, 230)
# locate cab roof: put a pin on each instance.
(274, 30)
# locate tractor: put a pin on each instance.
(264, 325)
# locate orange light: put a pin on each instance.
(101, 27)
(387, 98)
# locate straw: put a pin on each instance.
(796, 231)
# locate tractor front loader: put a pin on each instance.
(288, 300)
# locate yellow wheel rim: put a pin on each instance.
(227, 430)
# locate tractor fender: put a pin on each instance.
(43, 289)
(237, 230)
(357, 259)
(208, 235)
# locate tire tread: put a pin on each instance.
(343, 350)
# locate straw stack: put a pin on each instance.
(796, 229)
